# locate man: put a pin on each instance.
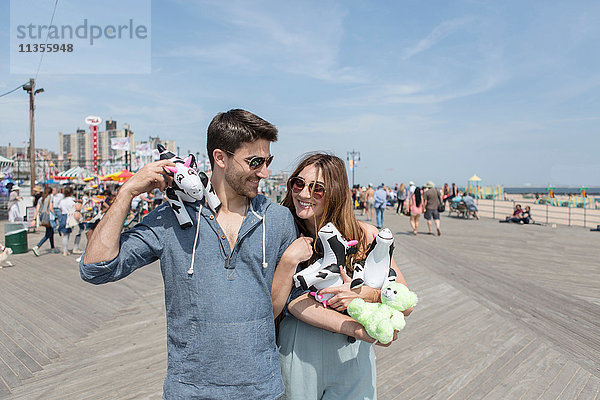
(158, 198)
(432, 201)
(220, 329)
(370, 201)
(380, 201)
(471, 206)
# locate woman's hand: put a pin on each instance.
(361, 334)
(343, 295)
(299, 251)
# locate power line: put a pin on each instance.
(17, 88)
(46, 42)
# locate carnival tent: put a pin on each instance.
(120, 176)
(5, 162)
(74, 173)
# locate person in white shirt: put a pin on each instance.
(14, 213)
(66, 206)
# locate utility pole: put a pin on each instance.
(30, 88)
(353, 157)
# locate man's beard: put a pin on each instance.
(238, 183)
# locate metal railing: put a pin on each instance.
(544, 213)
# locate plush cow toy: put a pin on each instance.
(188, 185)
(382, 319)
(376, 271)
(325, 272)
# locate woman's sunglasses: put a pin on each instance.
(315, 188)
(256, 162)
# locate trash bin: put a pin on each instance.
(15, 237)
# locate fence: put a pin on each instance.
(543, 213)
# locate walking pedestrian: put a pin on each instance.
(416, 209)
(379, 204)
(45, 211)
(67, 209)
(432, 200)
(402, 194)
(370, 201)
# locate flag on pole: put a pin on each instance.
(120, 144)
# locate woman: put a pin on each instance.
(416, 209)
(14, 213)
(401, 197)
(67, 207)
(318, 347)
(45, 210)
(446, 194)
(516, 215)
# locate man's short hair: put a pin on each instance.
(229, 130)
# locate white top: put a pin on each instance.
(67, 205)
(57, 198)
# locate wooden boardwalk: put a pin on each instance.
(505, 312)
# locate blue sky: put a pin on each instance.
(424, 90)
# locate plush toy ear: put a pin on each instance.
(190, 161)
(172, 169)
(352, 243)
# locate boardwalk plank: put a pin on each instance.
(591, 389)
(540, 385)
(497, 371)
(575, 386)
(430, 367)
(561, 381)
(519, 382)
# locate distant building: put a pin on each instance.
(77, 147)
(23, 152)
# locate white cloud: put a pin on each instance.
(292, 38)
(435, 36)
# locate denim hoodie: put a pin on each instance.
(220, 330)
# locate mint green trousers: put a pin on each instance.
(320, 365)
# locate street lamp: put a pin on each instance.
(353, 157)
(30, 88)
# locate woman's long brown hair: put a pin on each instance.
(338, 202)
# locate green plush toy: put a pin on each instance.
(382, 319)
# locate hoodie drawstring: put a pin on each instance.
(264, 252)
(191, 270)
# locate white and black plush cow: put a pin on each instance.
(325, 272)
(376, 270)
(188, 186)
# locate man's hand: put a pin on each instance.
(149, 177)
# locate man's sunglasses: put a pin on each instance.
(316, 189)
(255, 162)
